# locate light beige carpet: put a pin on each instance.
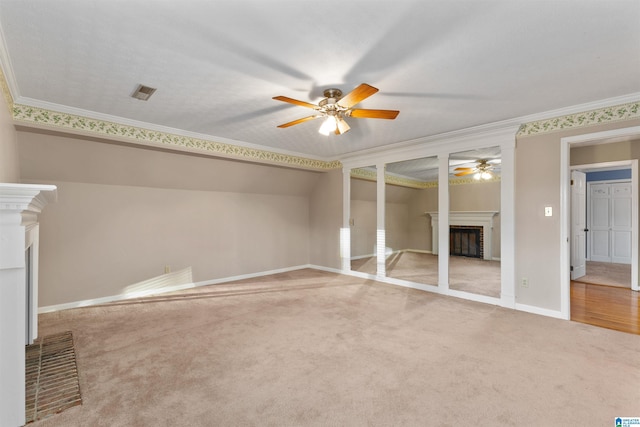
(606, 273)
(465, 274)
(311, 348)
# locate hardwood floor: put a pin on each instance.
(606, 306)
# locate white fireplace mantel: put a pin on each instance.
(477, 218)
(20, 205)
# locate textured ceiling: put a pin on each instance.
(446, 65)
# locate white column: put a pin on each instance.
(443, 222)
(381, 243)
(507, 226)
(345, 231)
(20, 205)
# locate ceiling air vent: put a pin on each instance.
(143, 92)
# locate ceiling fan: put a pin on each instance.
(335, 107)
(482, 169)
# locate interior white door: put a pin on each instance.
(621, 223)
(599, 223)
(578, 224)
(610, 209)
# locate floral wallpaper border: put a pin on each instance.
(42, 116)
(587, 118)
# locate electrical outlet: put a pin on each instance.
(525, 282)
(167, 269)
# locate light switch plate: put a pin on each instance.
(548, 211)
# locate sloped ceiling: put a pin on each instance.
(446, 65)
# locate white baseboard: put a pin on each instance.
(541, 311)
(321, 268)
(162, 290)
(417, 251)
(111, 298)
(173, 288)
(362, 256)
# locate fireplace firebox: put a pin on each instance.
(466, 240)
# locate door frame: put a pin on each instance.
(617, 135)
(580, 268)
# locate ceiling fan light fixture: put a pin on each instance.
(328, 126)
(343, 126)
(335, 108)
(482, 175)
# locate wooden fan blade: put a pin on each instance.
(296, 102)
(342, 126)
(374, 114)
(358, 94)
(463, 169)
(295, 122)
(464, 173)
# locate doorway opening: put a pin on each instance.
(624, 135)
(601, 224)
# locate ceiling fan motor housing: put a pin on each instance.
(337, 106)
(333, 93)
(329, 105)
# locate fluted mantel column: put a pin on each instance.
(20, 205)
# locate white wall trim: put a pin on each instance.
(540, 311)
(131, 295)
(467, 139)
(20, 205)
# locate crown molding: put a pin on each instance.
(369, 175)
(4, 86)
(33, 113)
(54, 117)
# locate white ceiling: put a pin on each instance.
(446, 65)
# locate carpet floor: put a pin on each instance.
(312, 348)
(466, 274)
(606, 273)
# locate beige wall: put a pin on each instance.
(325, 212)
(9, 166)
(407, 226)
(124, 213)
(537, 237)
(363, 213)
(223, 218)
(627, 150)
(419, 222)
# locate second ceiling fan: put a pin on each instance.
(481, 170)
(335, 107)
